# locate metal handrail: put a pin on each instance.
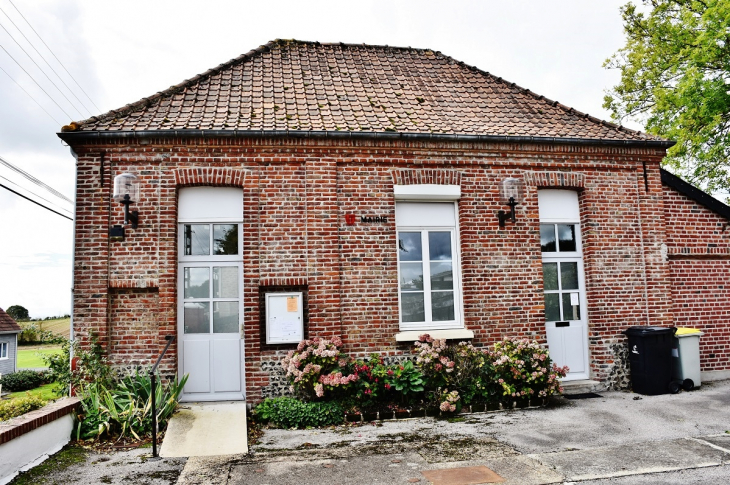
(153, 393)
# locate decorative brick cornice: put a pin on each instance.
(134, 283)
(698, 253)
(301, 281)
(219, 176)
(26, 423)
(426, 176)
(559, 180)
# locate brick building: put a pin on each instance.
(308, 189)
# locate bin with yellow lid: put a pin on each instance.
(686, 357)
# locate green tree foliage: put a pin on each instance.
(18, 313)
(675, 76)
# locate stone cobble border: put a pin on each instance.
(437, 413)
(26, 423)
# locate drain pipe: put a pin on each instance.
(153, 394)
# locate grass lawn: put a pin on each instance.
(45, 392)
(29, 357)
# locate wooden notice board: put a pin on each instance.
(284, 318)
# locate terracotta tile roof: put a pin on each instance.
(7, 324)
(312, 87)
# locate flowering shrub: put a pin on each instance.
(523, 369)
(460, 367)
(315, 367)
(450, 401)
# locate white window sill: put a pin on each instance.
(452, 334)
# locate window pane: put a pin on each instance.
(409, 246)
(411, 277)
(571, 312)
(412, 309)
(569, 276)
(225, 317)
(225, 282)
(442, 276)
(197, 283)
(225, 239)
(197, 317)
(552, 307)
(442, 306)
(550, 276)
(547, 238)
(197, 239)
(566, 234)
(439, 246)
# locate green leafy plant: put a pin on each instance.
(16, 407)
(91, 365)
(126, 408)
(31, 334)
(23, 380)
(289, 412)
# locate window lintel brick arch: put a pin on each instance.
(213, 176)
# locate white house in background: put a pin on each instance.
(9, 330)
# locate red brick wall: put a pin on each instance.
(698, 248)
(296, 196)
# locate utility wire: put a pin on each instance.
(36, 82)
(37, 203)
(33, 193)
(42, 71)
(31, 97)
(44, 60)
(54, 55)
(35, 180)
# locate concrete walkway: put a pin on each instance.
(620, 438)
(206, 429)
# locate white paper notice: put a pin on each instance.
(574, 299)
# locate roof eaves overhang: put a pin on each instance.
(699, 196)
(72, 137)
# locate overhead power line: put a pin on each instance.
(33, 193)
(41, 69)
(44, 60)
(35, 180)
(36, 82)
(31, 97)
(35, 202)
(54, 55)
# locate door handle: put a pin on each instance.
(562, 324)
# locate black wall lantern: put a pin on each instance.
(126, 191)
(511, 191)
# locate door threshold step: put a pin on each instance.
(583, 386)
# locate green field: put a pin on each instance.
(30, 357)
(61, 326)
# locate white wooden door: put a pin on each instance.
(566, 322)
(209, 329)
(210, 293)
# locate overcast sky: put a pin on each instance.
(120, 52)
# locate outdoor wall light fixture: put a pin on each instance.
(126, 191)
(510, 193)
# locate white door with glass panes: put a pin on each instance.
(428, 269)
(566, 324)
(210, 290)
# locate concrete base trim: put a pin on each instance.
(715, 375)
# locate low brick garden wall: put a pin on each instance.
(29, 439)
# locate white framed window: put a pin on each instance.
(3, 350)
(429, 282)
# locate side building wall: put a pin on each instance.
(297, 194)
(698, 248)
